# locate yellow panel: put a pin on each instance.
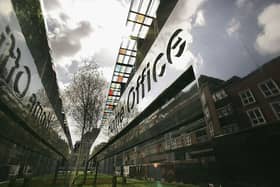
(140, 18)
(122, 51)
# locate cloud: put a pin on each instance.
(240, 3)
(64, 17)
(268, 41)
(66, 41)
(51, 4)
(73, 67)
(199, 21)
(73, 129)
(244, 4)
(53, 26)
(233, 27)
(188, 9)
(107, 72)
(63, 74)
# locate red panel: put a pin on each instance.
(110, 92)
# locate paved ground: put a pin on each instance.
(102, 181)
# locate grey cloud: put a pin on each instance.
(240, 3)
(52, 24)
(51, 4)
(65, 46)
(200, 20)
(233, 26)
(63, 74)
(268, 40)
(106, 57)
(244, 4)
(64, 17)
(84, 29)
(68, 41)
(73, 67)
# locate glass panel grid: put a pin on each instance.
(141, 13)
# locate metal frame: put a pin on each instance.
(127, 52)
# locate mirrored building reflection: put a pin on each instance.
(201, 105)
(34, 135)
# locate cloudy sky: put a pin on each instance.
(84, 28)
(236, 37)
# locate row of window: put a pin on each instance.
(256, 116)
(269, 88)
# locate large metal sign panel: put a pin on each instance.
(167, 59)
(21, 87)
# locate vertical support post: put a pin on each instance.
(27, 171)
(122, 168)
(85, 172)
(95, 175)
(114, 181)
(56, 171)
(66, 174)
(12, 181)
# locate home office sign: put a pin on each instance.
(167, 59)
(20, 84)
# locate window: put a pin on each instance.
(219, 95)
(211, 128)
(256, 117)
(276, 109)
(201, 135)
(187, 139)
(228, 129)
(269, 88)
(247, 97)
(207, 113)
(224, 111)
(203, 99)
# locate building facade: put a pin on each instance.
(34, 135)
(201, 103)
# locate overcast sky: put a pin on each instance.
(84, 28)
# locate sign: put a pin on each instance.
(167, 59)
(21, 87)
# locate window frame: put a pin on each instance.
(260, 111)
(241, 98)
(219, 95)
(273, 109)
(265, 83)
(224, 111)
(211, 129)
(230, 128)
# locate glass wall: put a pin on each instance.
(219, 127)
(33, 138)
